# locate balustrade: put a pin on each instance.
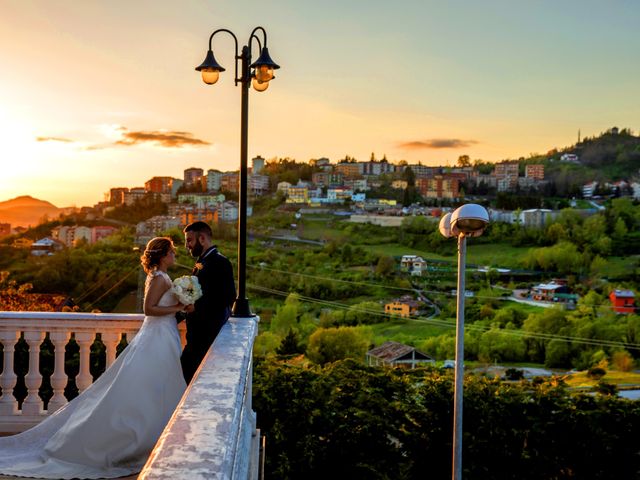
(212, 433)
(33, 327)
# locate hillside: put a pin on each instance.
(26, 211)
(611, 156)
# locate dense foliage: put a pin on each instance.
(350, 421)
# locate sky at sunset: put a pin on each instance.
(100, 94)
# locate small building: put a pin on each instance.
(297, 194)
(547, 291)
(404, 306)
(556, 291)
(413, 264)
(589, 189)
(396, 354)
(623, 301)
(46, 246)
(22, 242)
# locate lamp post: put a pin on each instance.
(469, 220)
(261, 75)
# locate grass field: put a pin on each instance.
(622, 379)
(406, 331)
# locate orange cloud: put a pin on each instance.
(437, 143)
(161, 138)
(53, 139)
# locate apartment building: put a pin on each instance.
(535, 171)
(439, 186)
(193, 176)
(159, 185)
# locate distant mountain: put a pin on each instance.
(27, 211)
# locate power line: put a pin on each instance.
(99, 283)
(451, 324)
(391, 287)
(134, 269)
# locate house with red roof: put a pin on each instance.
(623, 301)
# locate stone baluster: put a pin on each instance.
(8, 403)
(84, 379)
(32, 405)
(59, 377)
(110, 340)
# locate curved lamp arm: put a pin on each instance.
(235, 39)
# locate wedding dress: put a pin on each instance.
(109, 430)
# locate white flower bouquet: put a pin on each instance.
(187, 289)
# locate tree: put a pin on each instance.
(290, 344)
(286, 317)
(386, 266)
(333, 344)
(464, 161)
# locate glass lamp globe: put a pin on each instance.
(259, 86)
(264, 73)
(210, 75)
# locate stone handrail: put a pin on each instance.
(212, 433)
(214, 415)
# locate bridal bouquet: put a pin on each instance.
(187, 289)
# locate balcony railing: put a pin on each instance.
(212, 433)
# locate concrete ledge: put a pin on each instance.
(211, 433)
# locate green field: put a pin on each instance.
(622, 379)
(406, 331)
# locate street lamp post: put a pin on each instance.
(469, 220)
(261, 75)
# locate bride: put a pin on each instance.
(109, 430)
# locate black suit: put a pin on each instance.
(211, 310)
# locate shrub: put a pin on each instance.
(596, 373)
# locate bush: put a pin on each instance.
(513, 374)
(346, 420)
(596, 373)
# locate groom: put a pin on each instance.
(211, 311)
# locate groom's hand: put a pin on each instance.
(189, 308)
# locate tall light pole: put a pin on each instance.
(469, 220)
(261, 75)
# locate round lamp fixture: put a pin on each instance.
(264, 66)
(210, 69)
(470, 219)
(445, 225)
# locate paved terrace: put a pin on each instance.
(212, 434)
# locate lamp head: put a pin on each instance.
(210, 69)
(445, 225)
(264, 66)
(259, 86)
(470, 219)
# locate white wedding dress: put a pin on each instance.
(109, 430)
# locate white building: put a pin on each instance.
(213, 180)
(284, 187)
(570, 158)
(201, 200)
(157, 224)
(413, 264)
(338, 195)
(589, 189)
(133, 195)
(536, 217)
(71, 235)
(228, 211)
(258, 184)
(257, 164)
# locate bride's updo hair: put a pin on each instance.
(156, 248)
